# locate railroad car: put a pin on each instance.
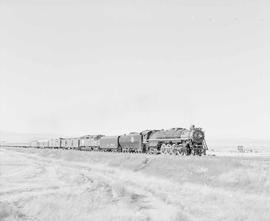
(34, 144)
(43, 144)
(70, 143)
(90, 142)
(55, 143)
(64, 144)
(131, 143)
(110, 143)
(74, 143)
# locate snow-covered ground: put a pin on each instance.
(72, 185)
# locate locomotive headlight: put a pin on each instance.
(198, 135)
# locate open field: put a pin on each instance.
(72, 185)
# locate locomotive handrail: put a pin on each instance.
(164, 139)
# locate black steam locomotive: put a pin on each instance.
(178, 141)
(175, 141)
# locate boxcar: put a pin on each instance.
(43, 143)
(70, 143)
(73, 143)
(65, 143)
(131, 142)
(55, 143)
(110, 143)
(34, 144)
(90, 142)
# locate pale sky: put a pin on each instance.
(88, 67)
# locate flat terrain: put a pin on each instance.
(66, 185)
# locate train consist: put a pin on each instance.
(178, 141)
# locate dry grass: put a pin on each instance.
(72, 185)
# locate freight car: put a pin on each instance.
(34, 144)
(43, 144)
(90, 142)
(55, 143)
(70, 143)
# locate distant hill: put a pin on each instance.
(232, 143)
(13, 137)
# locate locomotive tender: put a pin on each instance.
(178, 141)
